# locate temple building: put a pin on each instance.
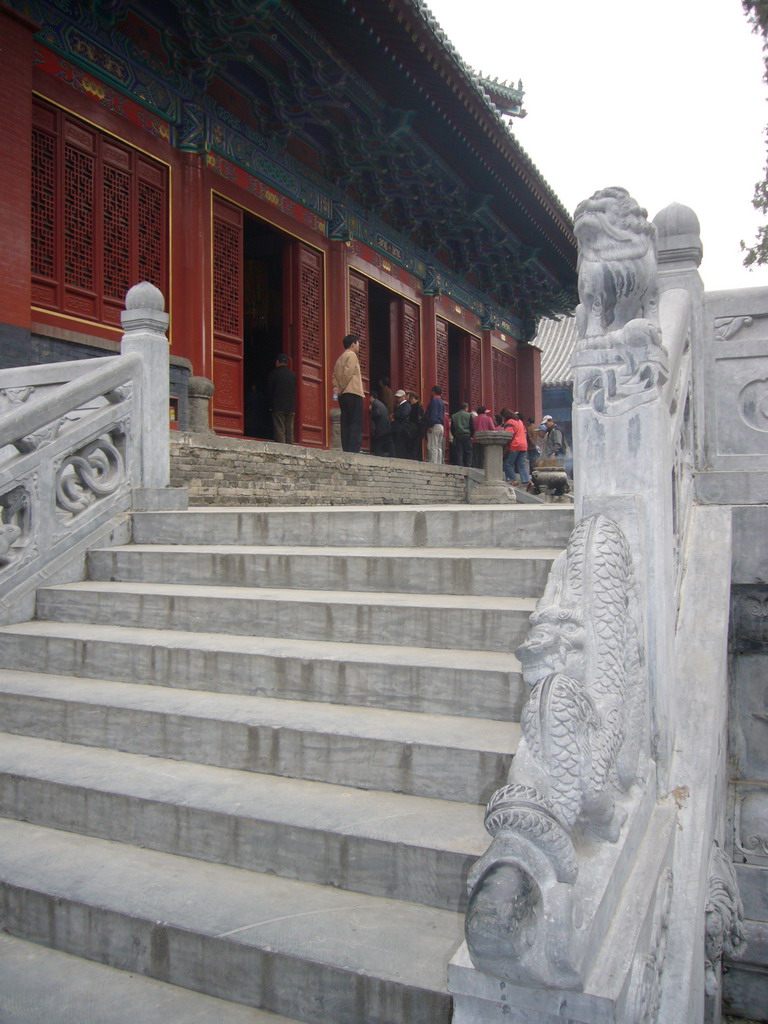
(286, 173)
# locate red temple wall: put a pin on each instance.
(193, 180)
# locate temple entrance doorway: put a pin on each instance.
(268, 297)
(389, 328)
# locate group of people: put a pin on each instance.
(528, 443)
(399, 423)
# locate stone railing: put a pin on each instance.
(570, 907)
(81, 442)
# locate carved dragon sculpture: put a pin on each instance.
(584, 727)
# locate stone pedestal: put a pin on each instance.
(200, 395)
(493, 488)
(335, 417)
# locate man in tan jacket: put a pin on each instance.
(348, 385)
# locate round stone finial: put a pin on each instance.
(679, 235)
(676, 219)
(144, 296)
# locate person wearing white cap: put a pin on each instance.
(554, 442)
(401, 419)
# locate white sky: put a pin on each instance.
(662, 97)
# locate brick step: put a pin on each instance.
(42, 986)
(420, 620)
(451, 682)
(460, 526)
(383, 844)
(315, 953)
(483, 572)
(440, 756)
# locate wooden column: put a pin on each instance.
(338, 299)
(190, 305)
(529, 381)
(16, 167)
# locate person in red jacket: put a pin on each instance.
(481, 421)
(516, 454)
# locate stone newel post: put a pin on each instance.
(200, 395)
(145, 323)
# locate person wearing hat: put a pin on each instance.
(348, 385)
(553, 446)
(281, 388)
(381, 428)
(401, 419)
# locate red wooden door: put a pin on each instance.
(474, 380)
(227, 318)
(409, 347)
(305, 318)
(359, 324)
(504, 381)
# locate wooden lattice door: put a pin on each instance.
(474, 380)
(305, 319)
(359, 322)
(228, 342)
(504, 381)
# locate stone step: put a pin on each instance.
(460, 526)
(42, 986)
(316, 953)
(483, 572)
(383, 844)
(419, 620)
(472, 683)
(439, 756)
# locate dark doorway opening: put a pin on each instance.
(458, 388)
(381, 315)
(263, 324)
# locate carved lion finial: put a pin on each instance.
(617, 263)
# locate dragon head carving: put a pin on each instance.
(556, 643)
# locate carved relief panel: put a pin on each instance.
(737, 417)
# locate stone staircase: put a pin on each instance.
(245, 762)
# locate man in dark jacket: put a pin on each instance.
(401, 426)
(281, 389)
(381, 429)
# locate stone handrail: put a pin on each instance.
(78, 442)
(584, 808)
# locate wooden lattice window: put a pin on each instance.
(441, 337)
(475, 380)
(358, 316)
(227, 278)
(99, 218)
(311, 306)
(411, 374)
